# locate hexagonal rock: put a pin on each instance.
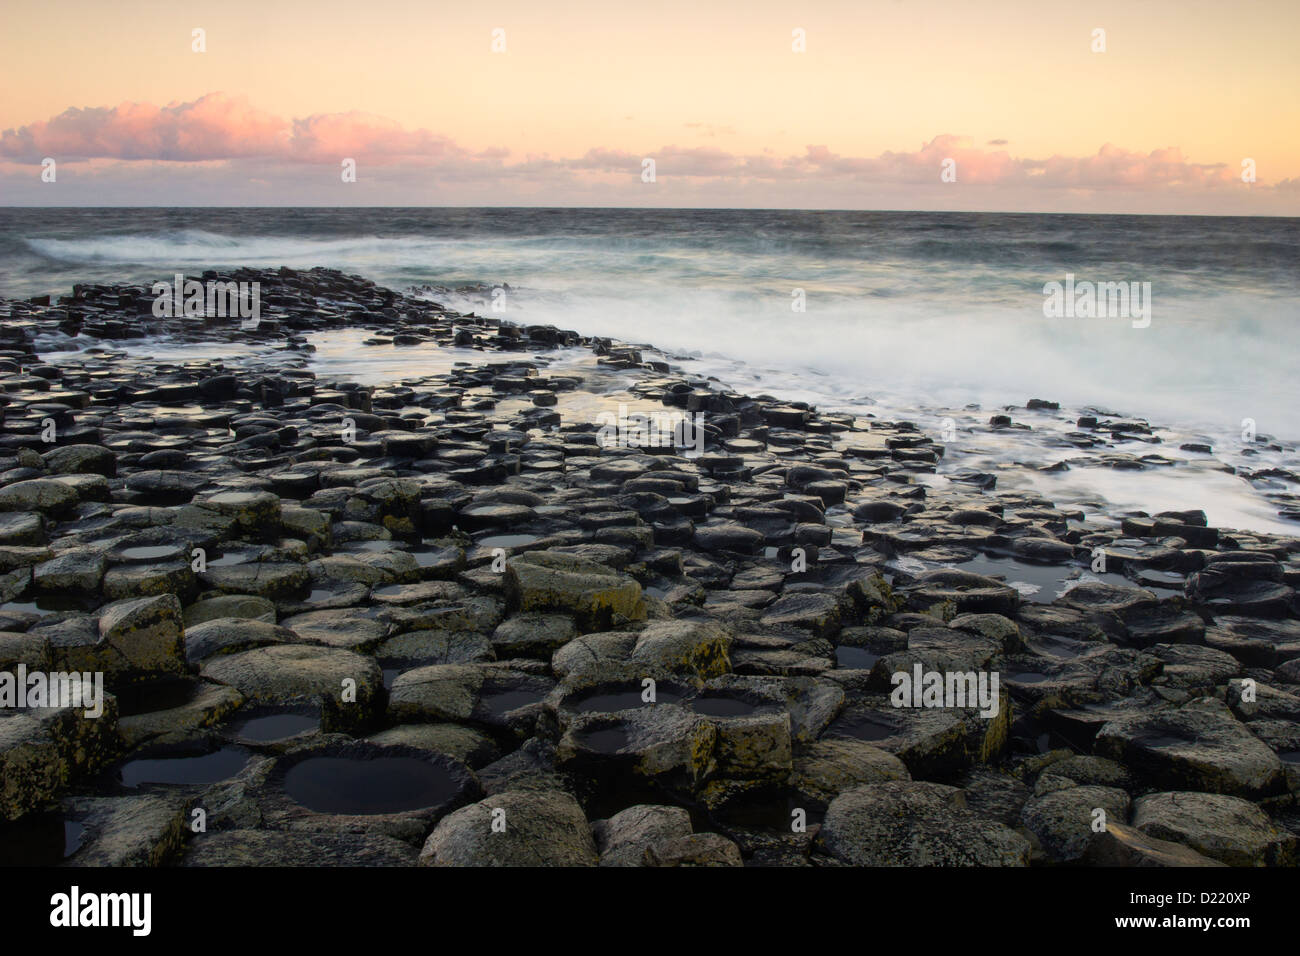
(81, 460)
(268, 579)
(46, 495)
(533, 635)
(596, 595)
(440, 692)
(31, 650)
(41, 750)
(699, 647)
(333, 782)
(811, 703)
(71, 571)
(209, 705)
(695, 849)
(346, 628)
(942, 649)
(623, 838)
(290, 672)
(1108, 603)
(229, 635)
(729, 537)
(256, 513)
(434, 646)
(495, 696)
(135, 580)
(469, 745)
(1228, 829)
(1200, 746)
(970, 593)
(136, 830)
(916, 824)
(817, 612)
(666, 743)
(140, 639)
(1121, 845)
(931, 741)
(1063, 820)
(827, 768)
(246, 848)
(541, 828)
(242, 606)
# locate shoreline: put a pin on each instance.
(769, 587)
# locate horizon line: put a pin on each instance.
(954, 212)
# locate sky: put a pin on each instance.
(1173, 107)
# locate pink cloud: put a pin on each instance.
(218, 127)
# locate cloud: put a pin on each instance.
(256, 145)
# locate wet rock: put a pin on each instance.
(140, 639)
(207, 706)
(827, 768)
(267, 579)
(46, 495)
(534, 828)
(533, 635)
(81, 460)
(131, 580)
(1228, 829)
(348, 684)
(347, 629)
(242, 606)
(42, 750)
(1121, 845)
(624, 837)
(1063, 820)
(916, 824)
(137, 830)
(1200, 746)
(473, 747)
(597, 596)
(968, 593)
(696, 849)
(665, 743)
(251, 848)
(434, 646)
(229, 635)
(821, 614)
(72, 571)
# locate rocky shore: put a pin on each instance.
(440, 623)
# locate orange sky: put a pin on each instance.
(1216, 82)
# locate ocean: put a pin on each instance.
(912, 314)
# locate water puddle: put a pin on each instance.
(150, 552)
(272, 727)
(1028, 677)
(855, 658)
(507, 540)
(607, 740)
(210, 768)
(379, 785)
(724, 705)
(606, 701)
(1037, 583)
(863, 726)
